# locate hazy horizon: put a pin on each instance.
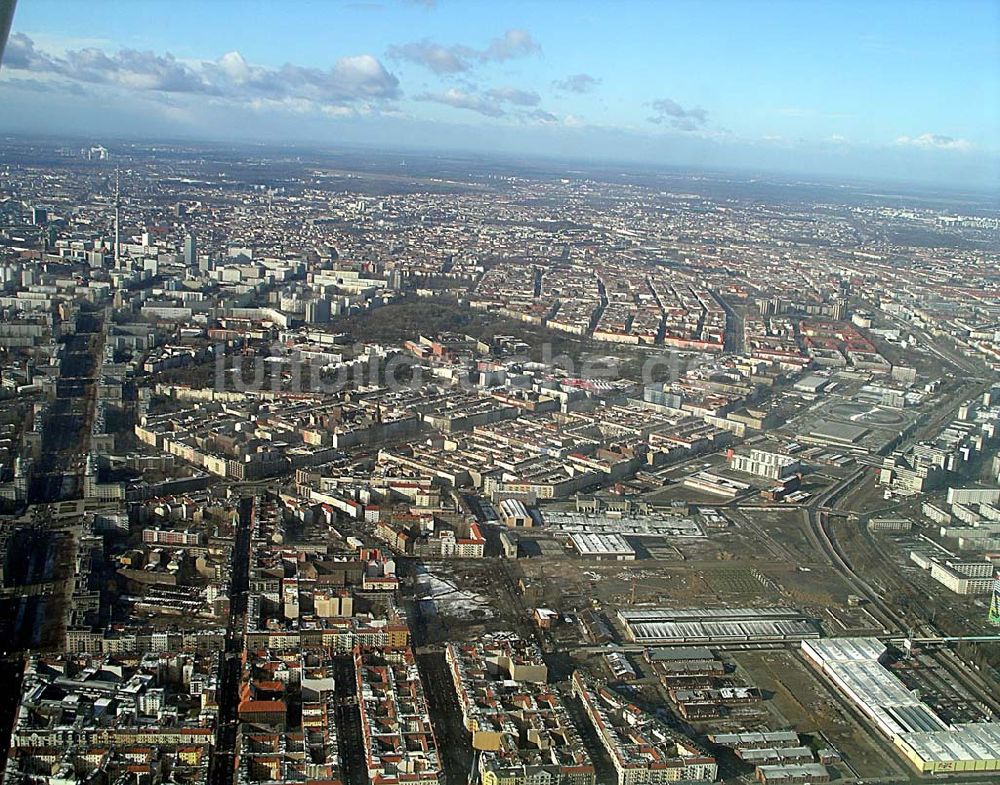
(984, 195)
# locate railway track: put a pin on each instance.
(819, 523)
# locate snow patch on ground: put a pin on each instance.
(439, 595)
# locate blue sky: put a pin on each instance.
(906, 89)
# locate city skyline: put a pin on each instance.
(801, 88)
(348, 466)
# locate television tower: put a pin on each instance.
(6, 17)
(118, 217)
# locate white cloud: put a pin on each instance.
(667, 110)
(460, 99)
(490, 103)
(352, 79)
(514, 95)
(542, 117)
(934, 142)
(459, 58)
(577, 83)
(439, 59)
(513, 43)
(234, 66)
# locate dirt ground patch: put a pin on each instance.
(802, 702)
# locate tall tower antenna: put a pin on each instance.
(118, 217)
(6, 17)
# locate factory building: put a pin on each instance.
(653, 626)
(514, 514)
(854, 666)
(602, 547)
